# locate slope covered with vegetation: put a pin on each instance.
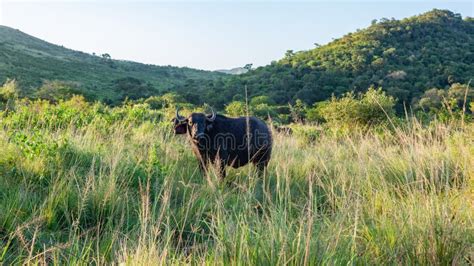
(415, 60)
(32, 62)
(405, 57)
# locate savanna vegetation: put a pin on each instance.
(373, 158)
(87, 183)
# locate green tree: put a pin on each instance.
(432, 100)
(56, 90)
(298, 111)
(236, 108)
(248, 67)
(8, 95)
(263, 99)
(133, 88)
(106, 56)
(371, 108)
(460, 95)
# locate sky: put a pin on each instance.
(206, 35)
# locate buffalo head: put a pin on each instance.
(196, 124)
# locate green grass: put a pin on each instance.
(84, 184)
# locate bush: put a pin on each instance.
(235, 109)
(314, 114)
(155, 102)
(8, 95)
(306, 133)
(57, 90)
(371, 108)
(446, 104)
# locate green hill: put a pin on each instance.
(32, 61)
(404, 57)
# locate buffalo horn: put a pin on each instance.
(213, 116)
(179, 117)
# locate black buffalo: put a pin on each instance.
(225, 141)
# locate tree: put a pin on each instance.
(133, 88)
(236, 108)
(57, 90)
(8, 94)
(108, 60)
(262, 99)
(289, 54)
(170, 99)
(298, 111)
(460, 95)
(371, 108)
(106, 56)
(457, 97)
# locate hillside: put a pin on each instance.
(31, 61)
(405, 57)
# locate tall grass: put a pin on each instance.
(98, 185)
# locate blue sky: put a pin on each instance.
(206, 35)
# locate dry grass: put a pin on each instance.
(133, 194)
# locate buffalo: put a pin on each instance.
(224, 141)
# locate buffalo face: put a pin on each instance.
(196, 125)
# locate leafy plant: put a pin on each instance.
(371, 108)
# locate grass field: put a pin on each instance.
(83, 183)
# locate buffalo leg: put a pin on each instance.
(261, 161)
(261, 170)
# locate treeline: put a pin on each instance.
(373, 107)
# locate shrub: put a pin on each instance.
(306, 133)
(8, 95)
(314, 114)
(372, 108)
(57, 90)
(263, 111)
(236, 108)
(446, 104)
(460, 95)
(155, 102)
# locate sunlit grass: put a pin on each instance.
(128, 191)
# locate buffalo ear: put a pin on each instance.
(180, 129)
